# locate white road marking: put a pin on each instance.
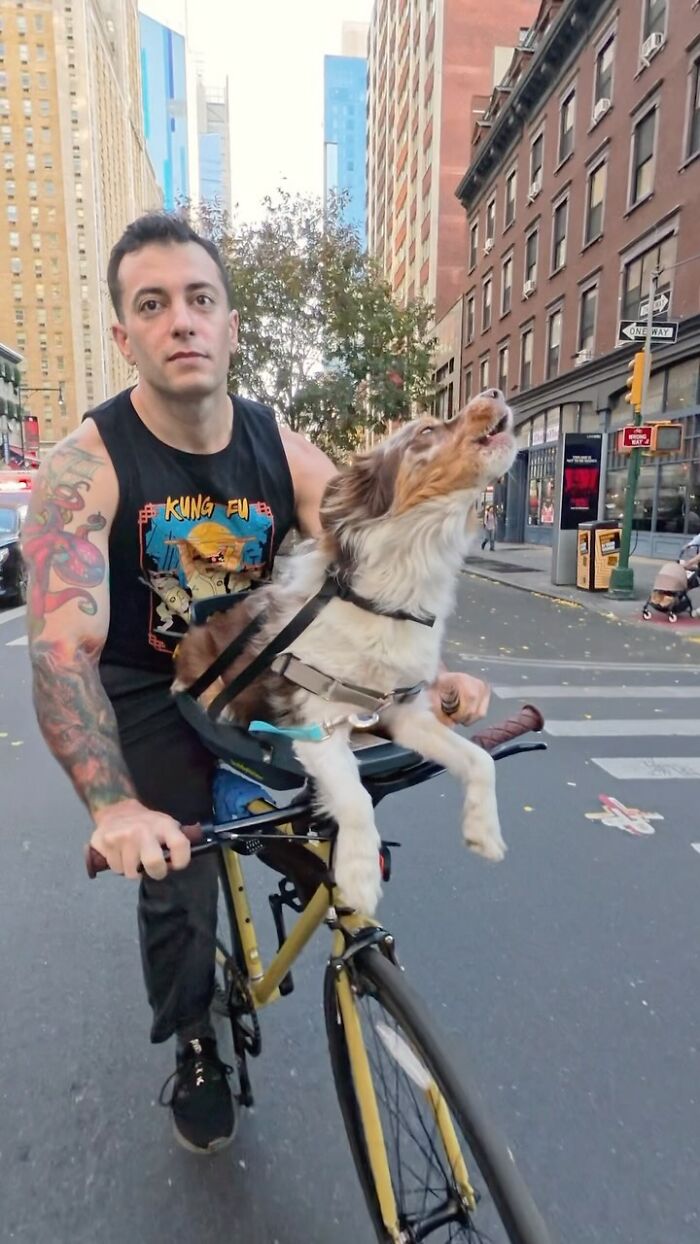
(648, 667)
(11, 614)
(596, 693)
(627, 727)
(22, 642)
(649, 768)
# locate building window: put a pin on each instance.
(25, 81)
(511, 186)
(654, 18)
(473, 245)
(38, 21)
(637, 274)
(6, 131)
(44, 107)
(642, 174)
(40, 51)
(10, 189)
(559, 227)
(531, 258)
(22, 26)
(27, 107)
(484, 373)
(503, 368)
(42, 81)
(12, 213)
(471, 318)
(553, 343)
(17, 292)
(595, 201)
(468, 384)
(16, 266)
(14, 241)
(23, 54)
(490, 223)
(694, 112)
(604, 71)
(506, 285)
(486, 304)
(526, 350)
(536, 163)
(566, 124)
(47, 159)
(587, 318)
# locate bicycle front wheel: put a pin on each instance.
(451, 1176)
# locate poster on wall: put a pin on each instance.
(581, 479)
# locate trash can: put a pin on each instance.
(598, 553)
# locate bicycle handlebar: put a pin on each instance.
(529, 718)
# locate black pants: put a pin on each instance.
(173, 773)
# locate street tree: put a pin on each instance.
(322, 340)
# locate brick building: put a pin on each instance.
(429, 62)
(584, 175)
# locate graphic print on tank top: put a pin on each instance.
(193, 548)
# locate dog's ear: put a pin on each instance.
(360, 491)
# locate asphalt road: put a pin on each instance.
(569, 972)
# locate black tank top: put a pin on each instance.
(188, 527)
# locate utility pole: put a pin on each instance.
(622, 577)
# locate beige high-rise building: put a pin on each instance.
(75, 172)
(430, 64)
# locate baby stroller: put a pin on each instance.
(669, 593)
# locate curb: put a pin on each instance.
(572, 602)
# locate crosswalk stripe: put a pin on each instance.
(11, 614)
(595, 693)
(22, 641)
(649, 768)
(628, 727)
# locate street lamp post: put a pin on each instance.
(23, 388)
(622, 576)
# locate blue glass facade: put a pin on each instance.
(345, 103)
(165, 107)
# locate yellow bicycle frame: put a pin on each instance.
(264, 988)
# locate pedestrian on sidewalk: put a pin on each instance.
(489, 529)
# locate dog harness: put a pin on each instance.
(274, 657)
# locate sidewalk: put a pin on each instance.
(528, 568)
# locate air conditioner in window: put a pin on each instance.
(488, 246)
(601, 108)
(535, 187)
(583, 356)
(652, 45)
(528, 289)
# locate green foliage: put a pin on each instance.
(321, 339)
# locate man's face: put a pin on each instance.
(176, 327)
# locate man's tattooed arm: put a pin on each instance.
(65, 544)
(78, 722)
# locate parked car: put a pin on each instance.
(13, 570)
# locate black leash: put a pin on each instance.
(332, 588)
(287, 635)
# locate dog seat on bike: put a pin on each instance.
(272, 761)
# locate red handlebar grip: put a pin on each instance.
(529, 718)
(96, 863)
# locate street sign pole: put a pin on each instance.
(622, 576)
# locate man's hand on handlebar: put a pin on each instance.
(459, 699)
(130, 835)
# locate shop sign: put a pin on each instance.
(580, 479)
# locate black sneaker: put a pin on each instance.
(204, 1115)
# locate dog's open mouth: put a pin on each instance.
(501, 426)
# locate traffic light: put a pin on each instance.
(635, 380)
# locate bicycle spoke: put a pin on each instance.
(424, 1183)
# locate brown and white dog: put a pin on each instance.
(397, 524)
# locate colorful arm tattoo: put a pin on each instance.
(74, 713)
(56, 537)
(78, 721)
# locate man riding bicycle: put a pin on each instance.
(171, 492)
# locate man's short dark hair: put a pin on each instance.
(162, 227)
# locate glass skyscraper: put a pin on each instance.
(345, 100)
(163, 76)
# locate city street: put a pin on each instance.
(569, 973)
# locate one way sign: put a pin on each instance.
(636, 330)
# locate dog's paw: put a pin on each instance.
(482, 834)
(357, 869)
